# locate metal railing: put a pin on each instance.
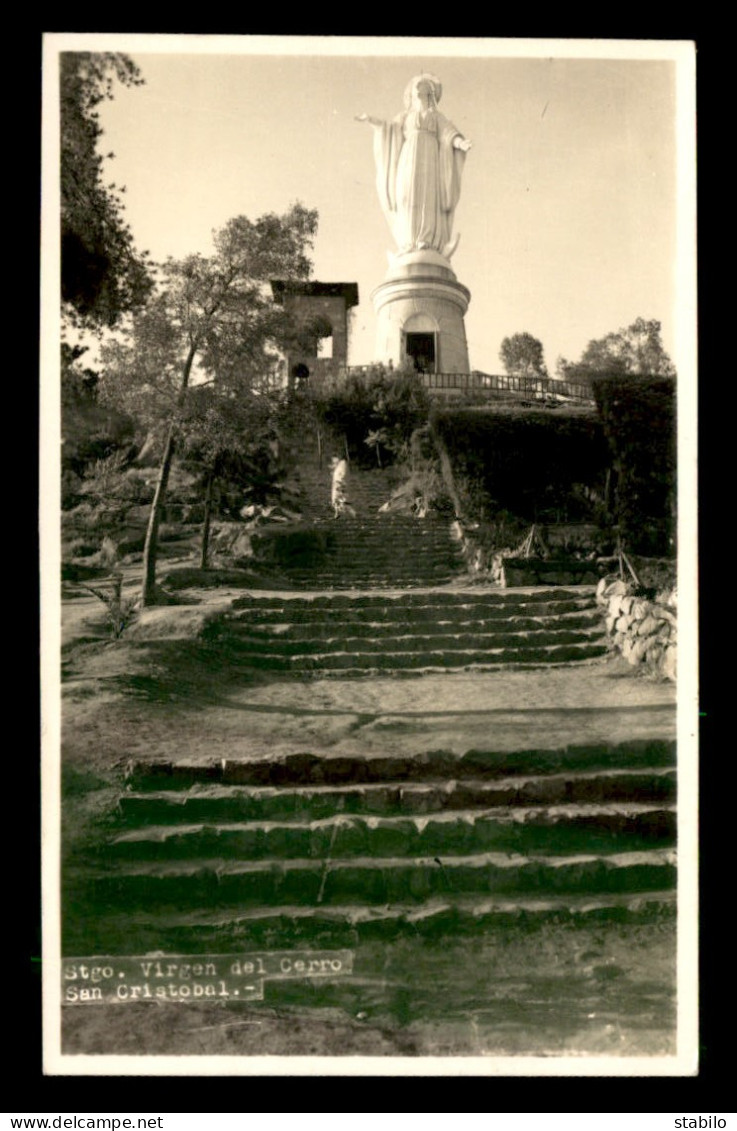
(536, 387)
(484, 384)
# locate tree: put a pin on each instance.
(522, 356)
(231, 438)
(102, 275)
(635, 349)
(89, 430)
(378, 408)
(210, 316)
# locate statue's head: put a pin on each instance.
(429, 83)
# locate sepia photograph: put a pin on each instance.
(368, 556)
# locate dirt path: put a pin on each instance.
(157, 694)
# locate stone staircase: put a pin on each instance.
(318, 850)
(381, 551)
(435, 852)
(368, 489)
(372, 549)
(433, 630)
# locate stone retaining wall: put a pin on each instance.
(643, 630)
(508, 570)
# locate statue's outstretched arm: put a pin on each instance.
(369, 119)
(460, 142)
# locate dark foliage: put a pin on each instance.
(102, 275)
(639, 419)
(234, 440)
(90, 431)
(377, 412)
(537, 465)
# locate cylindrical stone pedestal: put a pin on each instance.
(421, 296)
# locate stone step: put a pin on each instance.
(367, 572)
(198, 802)
(343, 581)
(413, 631)
(302, 847)
(444, 768)
(207, 930)
(559, 829)
(226, 883)
(369, 484)
(383, 520)
(285, 645)
(380, 557)
(385, 552)
(374, 522)
(405, 611)
(281, 627)
(370, 575)
(383, 542)
(570, 659)
(374, 537)
(419, 660)
(379, 551)
(493, 602)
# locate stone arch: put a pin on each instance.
(421, 323)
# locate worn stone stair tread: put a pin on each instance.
(494, 598)
(500, 665)
(312, 770)
(513, 786)
(280, 623)
(386, 646)
(228, 928)
(342, 583)
(449, 659)
(290, 610)
(431, 653)
(469, 905)
(530, 814)
(387, 615)
(212, 881)
(172, 805)
(294, 609)
(404, 634)
(565, 830)
(654, 857)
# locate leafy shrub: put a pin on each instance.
(79, 548)
(639, 420)
(107, 555)
(120, 610)
(92, 516)
(501, 532)
(111, 480)
(540, 465)
(376, 410)
(71, 485)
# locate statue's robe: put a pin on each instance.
(418, 177)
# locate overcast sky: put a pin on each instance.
(568, 210)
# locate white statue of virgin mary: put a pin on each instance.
(419, 161)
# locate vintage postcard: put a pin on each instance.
(368, 529)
